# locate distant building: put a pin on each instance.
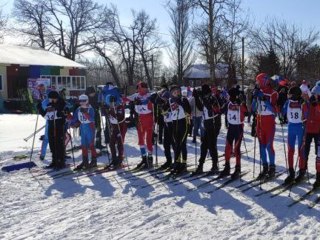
(18, 64)
(198, 74)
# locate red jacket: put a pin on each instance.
(312, 117)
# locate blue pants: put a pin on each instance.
(45, 141)
(296, 132)
(196, 126)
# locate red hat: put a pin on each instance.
(263, 80)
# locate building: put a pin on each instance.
(19, 63)
(197, 74)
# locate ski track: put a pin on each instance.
(109, 206)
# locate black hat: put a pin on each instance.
(295, 92)
(90, 90)
(233, 92)
(53, 95)
(205, 88)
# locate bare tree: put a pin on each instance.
(134, 46)
(3, 23)
(182, 53)
(147, 43)
(34, 16)
(287, 42)
(66, 25)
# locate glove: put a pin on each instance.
(137, 101)
(281, 119)
(258, 94)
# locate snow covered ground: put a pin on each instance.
(111, 206)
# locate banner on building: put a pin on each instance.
(38, 86)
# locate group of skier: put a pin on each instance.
(171, 110)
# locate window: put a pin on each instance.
(68, 82)
(1, 84)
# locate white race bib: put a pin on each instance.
(294, 112)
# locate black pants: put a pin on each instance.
(309, 138)
(180, 132)
(107, 131)
(168, 141)
(56, 140)
(209, 142)
(161, 124)
(97, 123)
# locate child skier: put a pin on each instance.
(161, 98)
(53, 112)
(209, 106)
(181, 111)
(312, 116)
(236, 111)
(144, 125)
(316, 104)
(118, 128)
(265, 106)
(293, 110)
(84, 117)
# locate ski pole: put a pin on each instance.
(254, 155)
(122, 141)
(32, 134)
(157, 135)
(103, 128)
(72, 152)
(284, 147)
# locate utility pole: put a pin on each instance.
(152, 67)
(242, 63)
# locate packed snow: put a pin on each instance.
(114, 206)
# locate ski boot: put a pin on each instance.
(214, 169)
(93, 162)
(290, 178)
(272, 171)
(182, 168)
(83, 165)
(199, 169)
(166, 165)
(236, 173)
(51, 165)
(264, 173)
(301, 176)
(142, 163)
(316, 184)
(226, 171)
(149, 162)
(176, 167)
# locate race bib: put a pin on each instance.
(51, 115)
(233, 115)
(294, 112)
(82, 118)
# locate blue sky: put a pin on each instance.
(304, 14)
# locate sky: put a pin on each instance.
(303, 14)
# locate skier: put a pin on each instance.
(118, 128)
(210, 107)
(94, 102)
(312, 116)
(235, 112)
(161, 98)
(265, 106)
(181, 111)
(293, 110)
(108, 89)
(53, 112)
(143, 107)
(84, 118)
(196, 116)
(316, 104)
